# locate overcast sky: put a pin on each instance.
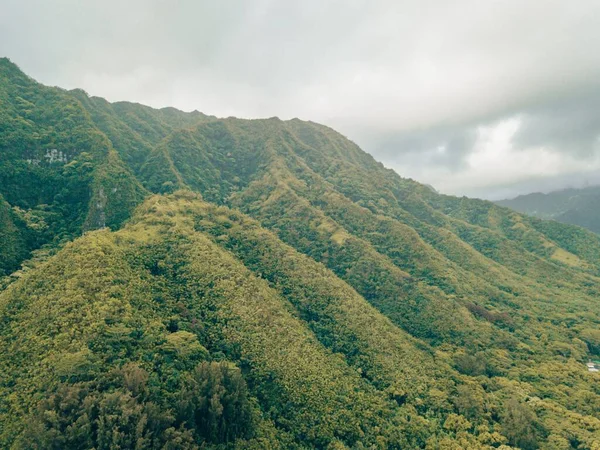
(475, 97)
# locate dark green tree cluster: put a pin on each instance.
(122, 410)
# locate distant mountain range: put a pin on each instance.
(574, 206)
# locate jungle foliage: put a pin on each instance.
(172, 280)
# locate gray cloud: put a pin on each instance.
(420, 84)
(571, 126)
(441, 146)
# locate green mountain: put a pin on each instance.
(574, 206)
(178, 281)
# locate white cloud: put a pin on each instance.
(495, 161)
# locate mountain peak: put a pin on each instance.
(10, 69)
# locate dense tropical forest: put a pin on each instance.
(173, 280)
(575, 206)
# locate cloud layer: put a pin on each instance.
(477, 98)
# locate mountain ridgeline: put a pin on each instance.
(174, 280)
(574, 206)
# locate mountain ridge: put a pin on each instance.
(576, 206)
(327, 300)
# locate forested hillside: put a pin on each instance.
(174, 280)
(575, 206)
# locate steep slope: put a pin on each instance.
(320, 299)
(159, 301)
(15, 238)
(573, 206)
(467, 275)
(133, 129)
(55, 165)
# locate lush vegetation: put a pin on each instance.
(173, 280)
